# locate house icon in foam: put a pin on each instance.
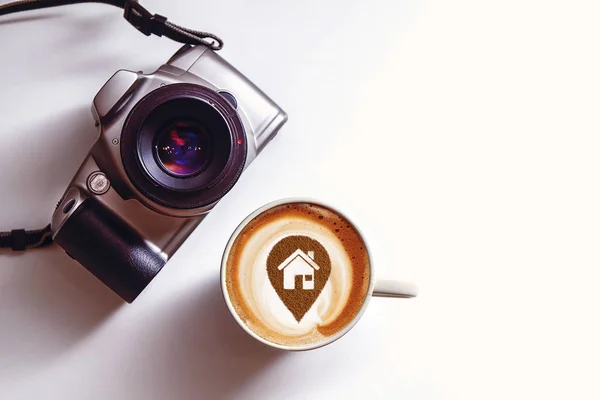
(299, 264)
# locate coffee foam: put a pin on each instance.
(254, 297)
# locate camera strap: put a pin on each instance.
(20, 239)
(142, 20)
(139, 17)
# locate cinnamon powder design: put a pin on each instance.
(298, 268)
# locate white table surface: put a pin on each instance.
(462, 136)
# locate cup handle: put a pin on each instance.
(384, 288)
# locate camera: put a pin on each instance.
(171, 144)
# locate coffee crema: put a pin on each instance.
(297, 274)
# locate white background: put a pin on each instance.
(462, 136)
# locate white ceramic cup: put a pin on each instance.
(379, 288)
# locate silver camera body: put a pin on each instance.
(127, 211)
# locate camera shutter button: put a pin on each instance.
(98, 183)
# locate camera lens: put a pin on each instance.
(183, 148)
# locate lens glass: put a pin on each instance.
(183, 148)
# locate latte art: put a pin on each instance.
(297, 274)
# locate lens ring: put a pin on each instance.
(185, 107)
(183, 102)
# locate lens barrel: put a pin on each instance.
(183, 146)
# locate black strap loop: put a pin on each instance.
(159, 24)
(139, 17)
(20, 239)
(143, 20)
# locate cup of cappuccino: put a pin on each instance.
(297, 275)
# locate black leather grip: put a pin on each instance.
(110, 249)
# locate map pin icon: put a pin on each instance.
(298, 268)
